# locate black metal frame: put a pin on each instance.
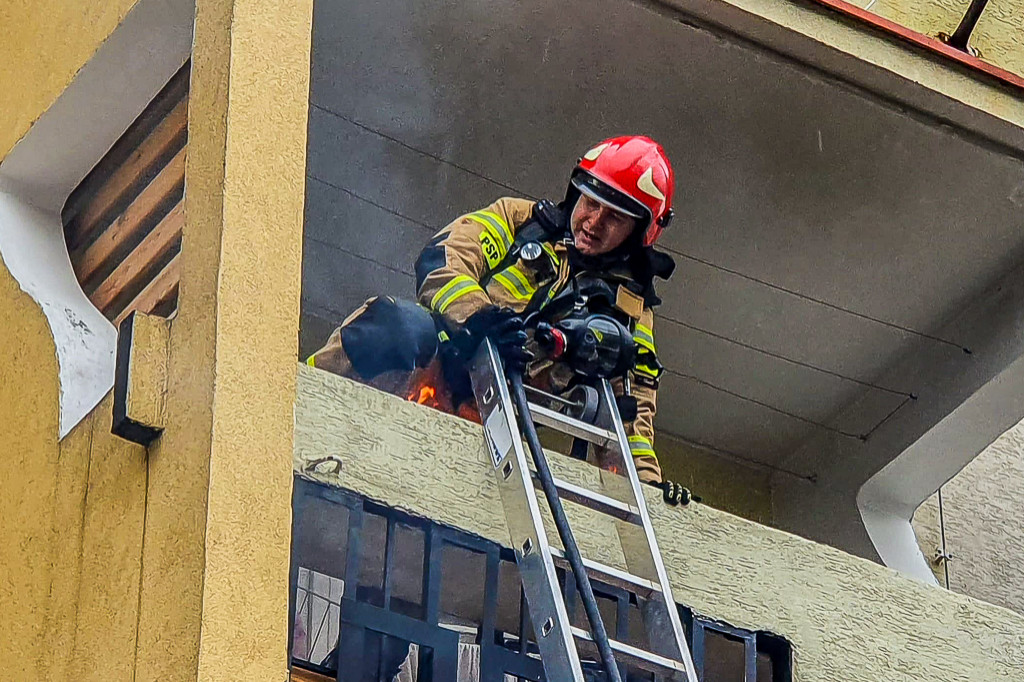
(778, 650)
(501, 653)
(359, 618)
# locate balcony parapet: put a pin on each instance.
(847, 618)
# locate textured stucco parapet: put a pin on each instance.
(997, 35)
(849, 620)
(817, 26)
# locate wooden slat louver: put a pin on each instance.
(123, 223)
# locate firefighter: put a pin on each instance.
(480, 275)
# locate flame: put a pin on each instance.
(426, 394)
(427, 387)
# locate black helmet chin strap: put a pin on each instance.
(666, 218)
(572, 195)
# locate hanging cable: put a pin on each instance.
(421, 152)
(833, 306)
(676, 252)
(886, 418)
(779, 356)
(373, 203)
(745, 460)
(755, 401)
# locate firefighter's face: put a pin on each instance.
(598, 229)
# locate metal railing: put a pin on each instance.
(962, 35)
(434, 603)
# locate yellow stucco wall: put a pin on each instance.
(849, 620)
(110, 555)
(215, 561)
(43, 44)
(998, 34)
(28, 479)
(72, 511)
(982, 524)
(71, 529)
(123, 565)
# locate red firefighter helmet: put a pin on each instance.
(631, 174)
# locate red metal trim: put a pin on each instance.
(925, 42)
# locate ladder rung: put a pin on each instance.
(631, 655)
(574, 427)
(593, 500)
(641, 587)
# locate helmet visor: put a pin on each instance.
(604, 193)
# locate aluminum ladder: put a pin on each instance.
(559, 642)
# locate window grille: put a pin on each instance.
(435, 604)
(723, 653)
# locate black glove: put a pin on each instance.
(505, 329)
(673, 493)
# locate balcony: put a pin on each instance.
(842, 615)
(847, 243)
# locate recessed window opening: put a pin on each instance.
(123, 223)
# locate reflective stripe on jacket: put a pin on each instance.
(449, 272)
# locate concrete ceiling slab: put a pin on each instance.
(394, 243)
(766, 317)
(729, 424)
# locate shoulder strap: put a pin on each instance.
(543, 225)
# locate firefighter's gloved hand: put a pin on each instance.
(505, 329)
(672, 492)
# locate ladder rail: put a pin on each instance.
(509, 419)
(539, 581)
(676, 645)
(572, 550)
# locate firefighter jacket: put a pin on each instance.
(467, 267)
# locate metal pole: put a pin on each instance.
(962, 34)
(572, 550)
